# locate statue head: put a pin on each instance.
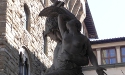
(77, 24)
(51, 24)
(51, 29)
(74, 23)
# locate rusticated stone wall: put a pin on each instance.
(3, 6)
(14, 35)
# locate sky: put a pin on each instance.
(109, 17)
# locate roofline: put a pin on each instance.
(89, 23)
(101, 41)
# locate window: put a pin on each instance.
(26, 17)
(24, 67)
(20, 64)
(109, 56)
(123, 54)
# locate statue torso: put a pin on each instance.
(74, 44)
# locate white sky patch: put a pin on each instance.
(109, 17)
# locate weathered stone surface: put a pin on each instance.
(11, 23)
(3, 6)
(13, 35)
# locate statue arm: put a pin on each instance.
(91, 55)
(93, 60)
(62, 23)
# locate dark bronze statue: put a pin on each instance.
(73, 49)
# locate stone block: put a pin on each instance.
(16, 35)
(2, 23)
(2, 29)
(3, 6)
(3, 1)
(2, 18)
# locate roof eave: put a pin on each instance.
(89, 23)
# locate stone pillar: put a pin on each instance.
(118, 54)
(99, 56)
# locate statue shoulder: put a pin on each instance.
(85, 38)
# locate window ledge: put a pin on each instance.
(104, 66)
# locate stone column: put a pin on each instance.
(118, 54)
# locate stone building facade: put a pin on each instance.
(110, 54)
(21, 39)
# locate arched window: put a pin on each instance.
(26, 17)
(24, 65)
(20, 64)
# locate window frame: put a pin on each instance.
(121, 53)
(27, 16)
(109, 57)
(24, 63)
